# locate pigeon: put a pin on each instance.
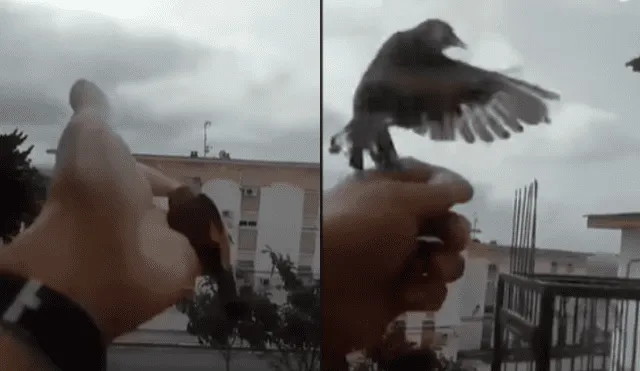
(412, 84)
(634, 64)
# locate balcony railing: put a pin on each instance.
(566, 323)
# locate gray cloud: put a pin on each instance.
(164, 85)
(37, 48)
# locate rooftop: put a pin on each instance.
(613, 221)
(216, 160)
(542, 252)
(219, 161)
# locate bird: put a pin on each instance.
(412, 84)
(634, 64)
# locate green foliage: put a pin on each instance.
(297, 336)
(288, 334)
(23, 186)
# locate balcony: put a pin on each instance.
(572, 323)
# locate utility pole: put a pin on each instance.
(207, 147)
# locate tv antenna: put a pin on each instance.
(207, 147)
(474, 228)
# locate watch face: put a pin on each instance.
(26, 299)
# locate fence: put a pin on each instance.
(546, 322)
(566, 323)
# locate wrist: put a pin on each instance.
(50, 323)
(24, 356)
(83, 295)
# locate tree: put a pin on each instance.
(287, 333)
(209, 322)
(396, 353)
(24, 187)
(293, 328)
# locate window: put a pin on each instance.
(248, 223)
(245, 265)
(569, 268)
(492, 271)
(428, 325)
(250, 200)
(305, 274)
(308, 242)
(311, 202)
(554, 267)
(247, 240)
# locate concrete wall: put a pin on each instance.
(624, 343)
(472, 302)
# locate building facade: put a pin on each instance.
(265, 204)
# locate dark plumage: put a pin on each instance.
(411, 84)
(634, 64)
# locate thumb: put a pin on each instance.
(426, 199)
(424, 189)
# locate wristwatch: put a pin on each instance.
(52, 322)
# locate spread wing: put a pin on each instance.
(428, 92)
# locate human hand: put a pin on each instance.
(99, 239)
(373, 265)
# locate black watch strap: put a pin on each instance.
(62, 329)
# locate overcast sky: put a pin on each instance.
(587, 161)
(251, 67)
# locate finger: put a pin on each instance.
(423, 296)
(413, 170)
(425, 200)
(445, 267)
(453, 230)
(161, 184)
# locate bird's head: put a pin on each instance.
(439, 34)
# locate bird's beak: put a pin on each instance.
(458, 43)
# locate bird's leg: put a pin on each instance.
(334, 146)
(386, 156)
(356, 158)
(359, 134)
(382, 149)
(352, 135)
